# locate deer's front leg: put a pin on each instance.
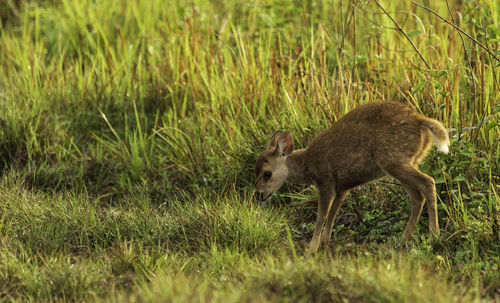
(332, 213)
(326, 195)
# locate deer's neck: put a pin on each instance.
(296, 164)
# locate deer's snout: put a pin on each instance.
(261, 196)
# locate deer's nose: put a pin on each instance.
(259, 196)
(262, 196)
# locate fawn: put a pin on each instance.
(372, 141)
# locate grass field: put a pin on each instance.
(129, 131)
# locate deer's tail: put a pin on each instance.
(439, 133)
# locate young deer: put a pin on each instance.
(370, 142)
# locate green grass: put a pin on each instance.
(129, 130)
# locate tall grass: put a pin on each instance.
(128, 131)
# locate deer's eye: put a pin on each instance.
(267, 175)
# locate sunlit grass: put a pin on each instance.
(129, 129)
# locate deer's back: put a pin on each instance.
(349, 150)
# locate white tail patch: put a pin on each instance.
(442, 145)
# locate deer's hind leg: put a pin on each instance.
(421, 187)
(417, 201)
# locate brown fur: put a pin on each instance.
(370, 142)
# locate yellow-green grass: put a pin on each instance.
(128, 132)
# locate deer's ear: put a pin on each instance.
(282, 141)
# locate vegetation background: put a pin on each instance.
(129, 129)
